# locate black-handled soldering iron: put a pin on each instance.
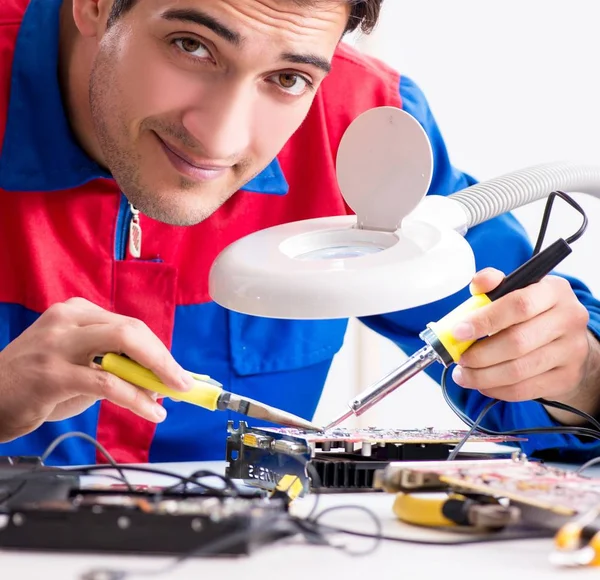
(441, 346)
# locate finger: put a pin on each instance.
(549, 385)
(486, 280)
(77, 312)
(134, 339)
(514, 371)
(515, 341)
(103, 385)
(83, 304)
(71, 407)
(514, 308)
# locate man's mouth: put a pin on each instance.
(196, 169)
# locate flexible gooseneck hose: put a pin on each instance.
(497, 196)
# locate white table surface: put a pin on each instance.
(521, 559)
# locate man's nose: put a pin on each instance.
(222, 121)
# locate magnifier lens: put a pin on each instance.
(339, 253)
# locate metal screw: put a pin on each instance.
(18, 519)
(197, 525)
(123, 522)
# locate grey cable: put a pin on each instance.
(587, 465)
(500, 195)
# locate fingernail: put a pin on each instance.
(457, 375)
(160, 412)
(463, 331)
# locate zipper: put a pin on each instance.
(129, 231)
(135, 233)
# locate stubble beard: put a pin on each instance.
(124, 162)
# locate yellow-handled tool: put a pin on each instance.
(208, 393)
(454, 510)
(441, 346)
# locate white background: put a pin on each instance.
(511, 84)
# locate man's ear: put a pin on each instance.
(91, 15)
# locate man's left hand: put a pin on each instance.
(538, 346)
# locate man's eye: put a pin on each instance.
(192, 47)
(292, 83)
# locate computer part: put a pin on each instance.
(546, 495)
(132, 524)
(17, 487)
(340, 460)
(45, 508)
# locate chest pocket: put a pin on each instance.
(264, 345)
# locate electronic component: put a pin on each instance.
(46, 508)
(140, 523)
(18, 486)
(546, 497)
(528, 483)
(336, 460)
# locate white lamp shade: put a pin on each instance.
(371, 263)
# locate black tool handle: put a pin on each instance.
(533, 270)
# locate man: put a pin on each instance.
(215, 118)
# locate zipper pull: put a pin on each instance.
(135, 233)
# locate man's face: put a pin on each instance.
(192, 98)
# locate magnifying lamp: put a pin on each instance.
(401, 249)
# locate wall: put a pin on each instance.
(512, 84)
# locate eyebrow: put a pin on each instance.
(311, 59)
(193, 16)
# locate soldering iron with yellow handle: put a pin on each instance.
(207, 393)
(441, 346)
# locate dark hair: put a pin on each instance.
(364, 13)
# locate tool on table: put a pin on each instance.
(454, 510)
(441, 346)
(208, 393)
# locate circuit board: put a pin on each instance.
(136, 524)
(376, 435)
(339, 460)
(522, 481)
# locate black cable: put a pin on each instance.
(317, 486)
(546, 220)
(378, 525)
(557, 430)
(54, 444)
(25, 477)
(492, 538)
(200, 474)
(472, 430)
(87, 470)
(475, 426)
(564, 407)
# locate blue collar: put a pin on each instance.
(39, 151)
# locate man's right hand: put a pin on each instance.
(47, 373)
